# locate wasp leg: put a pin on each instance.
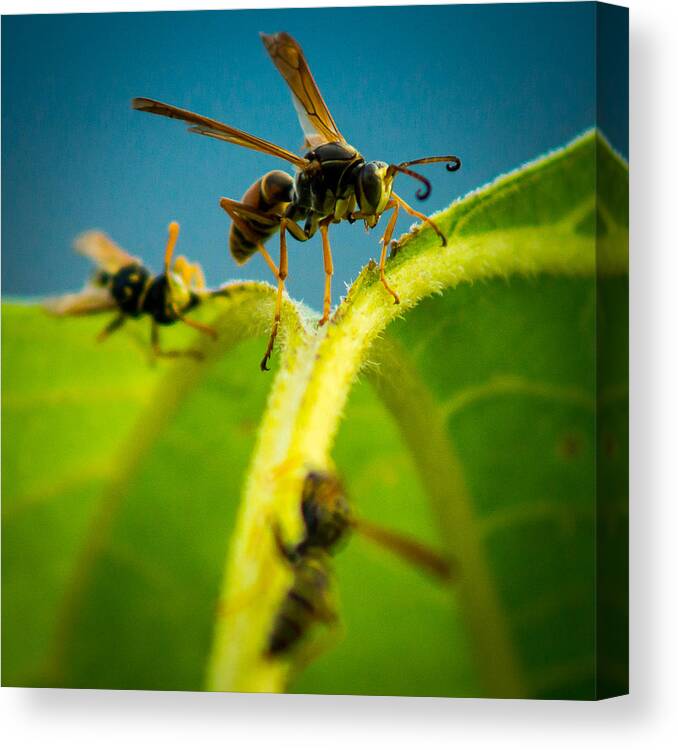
(238, 213)
(412, 212)
(329, 270)
(299, 234)
(170, 353)
(111, 328)
(234, 209)
(269, 261)
(386, 239)
(202, 327)
(282, 275)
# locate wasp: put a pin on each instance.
(123, 283)
(327, 519)
(333, 182)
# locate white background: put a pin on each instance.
(104, 719)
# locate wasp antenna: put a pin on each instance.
(422, 194)
(453, 162)
(173, 230)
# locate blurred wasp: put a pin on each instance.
(327, 518)
(124, 284)
(333, 181)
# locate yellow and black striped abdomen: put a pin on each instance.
(271, 194)
(307, 602)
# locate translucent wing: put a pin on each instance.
(100, 248)
(92, 299)
(215, 129)
(408, 549)
(315, 118)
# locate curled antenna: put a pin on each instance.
(453, 162)
(421, 194)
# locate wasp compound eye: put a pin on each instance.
(370, 185)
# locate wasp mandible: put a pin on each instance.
(333, 181)
(123, 283)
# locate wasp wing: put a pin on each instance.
(408, 549)
(315, 118)
(215, 129)
(92, 299)
(100, 248)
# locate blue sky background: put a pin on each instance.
(495, 84)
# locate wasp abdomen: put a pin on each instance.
(286, 633)
(306, 602)
(270, 194)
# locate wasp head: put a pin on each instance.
(374, 184)
(179, 296)
(325, 510)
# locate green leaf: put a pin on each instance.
(472, 427)
(113, 524)
(540, 223)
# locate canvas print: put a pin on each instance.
(314, 351)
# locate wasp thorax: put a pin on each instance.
(373, 189)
